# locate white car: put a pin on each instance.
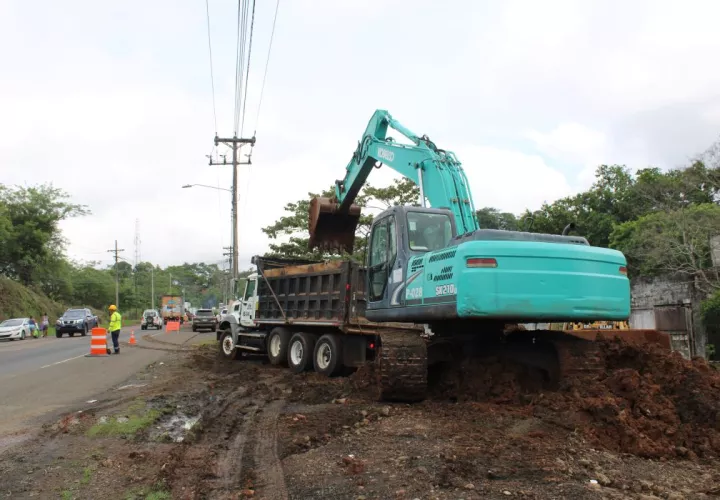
(151, 319)
(16, 328)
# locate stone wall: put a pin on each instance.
(649, 294)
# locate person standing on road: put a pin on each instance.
(44, 325)
(114, 327)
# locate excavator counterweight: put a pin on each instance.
(330, 228)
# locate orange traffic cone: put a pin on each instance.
(132, 338)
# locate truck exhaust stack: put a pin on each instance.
(331, 229)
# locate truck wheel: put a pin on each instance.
(85, 331)
(300, 351)
(227, 346)
(327, 355)
(58, 335)
(277, 345)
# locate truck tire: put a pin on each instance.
(300, 351)
(277, 345)
(327, 355)
(227, 347)
(85, 331)
(58, 335)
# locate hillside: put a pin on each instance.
(17, 300)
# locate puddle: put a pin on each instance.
(173, 428)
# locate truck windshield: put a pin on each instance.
(250, 289)
(428, 232)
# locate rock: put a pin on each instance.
(469, 486)
(361, 497)
(247, 493)
(674, 495)
(603, 479)
(645, 485)
(422, 470)
(681, 451)
(365, 421)
(585, 462)
(400, 493)
(507, 493)
(385, 411)
(363, 413)
(340, 401)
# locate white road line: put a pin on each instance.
(63, 361)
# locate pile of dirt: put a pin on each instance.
(643, 400)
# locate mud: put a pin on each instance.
(645, 426)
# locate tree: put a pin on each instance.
(492, 218)
(672, 242)
(294, 226)
(30, 236)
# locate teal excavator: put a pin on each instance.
(433, 264)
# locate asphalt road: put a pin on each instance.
(49, 375)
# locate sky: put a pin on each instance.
(112, 102)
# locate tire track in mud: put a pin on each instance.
(270, 478)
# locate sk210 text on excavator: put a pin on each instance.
(435, 265)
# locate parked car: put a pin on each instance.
(151, 319)
(79, 320)
(15, 329)
(204, 320)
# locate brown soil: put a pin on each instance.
(646, 427)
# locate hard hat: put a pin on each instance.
(113, 307)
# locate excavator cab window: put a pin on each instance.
(428, 232)
(383, 251)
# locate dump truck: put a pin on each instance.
(309, 315)
(172, 308)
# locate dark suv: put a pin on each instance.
(204, 319)
(75, 321)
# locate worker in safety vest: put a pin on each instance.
(114, 327)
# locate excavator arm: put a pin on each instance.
(437, 172)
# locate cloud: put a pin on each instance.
(510, 180)
(116, 107)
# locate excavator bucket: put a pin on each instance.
(329, 228)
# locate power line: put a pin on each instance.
(212, 78)
(240, 62)
(247, 72)
(267, 63)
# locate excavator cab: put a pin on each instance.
(330, 227)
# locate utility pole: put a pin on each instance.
(235, 143)
(152, 287)
(117, 274)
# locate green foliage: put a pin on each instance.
(294, 226)
(17, 300)
(30, 237)
(710, 316)
(492, 218)
(675, 241)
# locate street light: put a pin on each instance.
(206, 186)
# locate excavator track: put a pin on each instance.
(402, 367)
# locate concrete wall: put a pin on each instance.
(649, 294)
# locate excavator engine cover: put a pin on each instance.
(329, 228)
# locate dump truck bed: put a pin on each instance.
(323, 294)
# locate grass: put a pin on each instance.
(87, 475)
(206, 343)
(157, 492)
(140, 417)
(66, 495)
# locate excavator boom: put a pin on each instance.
(437, 172)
